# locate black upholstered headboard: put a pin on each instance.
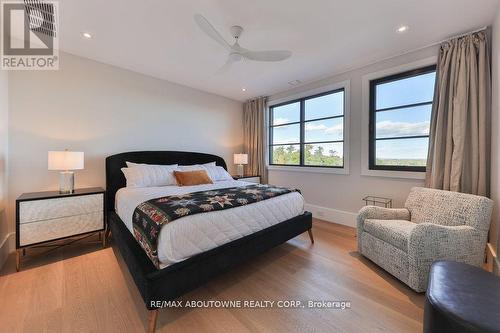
(116, 180)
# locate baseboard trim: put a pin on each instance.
(492, 262)
(496, 267)
(332, 215)
(491, 251)
(5, 248)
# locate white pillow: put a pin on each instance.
(190, 167)
(217, 173)
(132, 164)
(150, 175)
(195, 167)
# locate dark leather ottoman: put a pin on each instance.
(461, 298)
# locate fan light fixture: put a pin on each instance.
(236, 52)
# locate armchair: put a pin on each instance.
(434, 225)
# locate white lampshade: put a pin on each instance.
(240, 158)
(65, 160)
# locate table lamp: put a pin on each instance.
(240, 160)
(64, 161)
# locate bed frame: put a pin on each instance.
(175, 280)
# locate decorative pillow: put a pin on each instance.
(149, 175)
(189, 178)
(217, 173)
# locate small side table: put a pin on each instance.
(44, 219)
(378, 201)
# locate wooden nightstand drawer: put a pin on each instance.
(38, 210)
(42, 231)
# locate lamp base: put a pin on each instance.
(240, 171)
(66, 182)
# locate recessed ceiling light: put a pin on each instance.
(403, 28)
(86, 35)
(243, 89)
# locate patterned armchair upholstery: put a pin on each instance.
(434, 225)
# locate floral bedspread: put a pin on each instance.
(150, 216)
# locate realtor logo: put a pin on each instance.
(29, 35)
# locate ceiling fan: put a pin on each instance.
(236, 52)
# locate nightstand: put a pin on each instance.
(248, 178)
(47, 217)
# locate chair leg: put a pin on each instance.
(102, 238)
(18, 260)
(311, 235)
(107, 236)
(153, 316)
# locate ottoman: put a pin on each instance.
(461, 298)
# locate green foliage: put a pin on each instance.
(288, 155)
(401, 162)
(291, 155)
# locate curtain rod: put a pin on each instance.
(456, 36)
(255, 98)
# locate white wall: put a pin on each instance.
(338, 197)
(4, 228)
(495, 139)
(102, 110)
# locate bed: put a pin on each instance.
(184, 268)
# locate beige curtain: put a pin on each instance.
(254, 136)
(459, 143)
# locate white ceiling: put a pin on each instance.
(160, 38)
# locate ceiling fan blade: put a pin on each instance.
(267, 55)
(210, 30)
(225, 68)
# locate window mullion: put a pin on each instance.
(302, 132)
(405, 106)
(286, 124)
(271, 140)
(402, 137)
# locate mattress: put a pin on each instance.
(194, 234)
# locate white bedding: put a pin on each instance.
(194, 234)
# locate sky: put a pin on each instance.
(394, 123)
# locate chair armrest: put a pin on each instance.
(379, 213)
(433, 241)
(430, 242)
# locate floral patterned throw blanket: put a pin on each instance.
(150, 216)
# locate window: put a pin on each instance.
(308, 132)
(400, 114)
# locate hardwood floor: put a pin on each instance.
(82, 288)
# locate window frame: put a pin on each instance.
(302, 122)
(372, 119)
